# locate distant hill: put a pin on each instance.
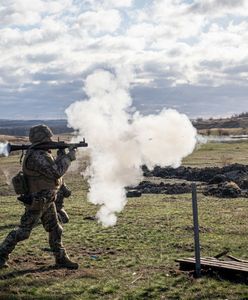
(237, 121)
(21, 127)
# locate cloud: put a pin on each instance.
(169, 19)
(204, 101)
(169, 43)
(100, 21)
(219, 7)
(41, 57)
(29, 12)
(109, 3)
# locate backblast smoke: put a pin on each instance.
(4, 149)
(121, 142)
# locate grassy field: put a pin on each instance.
(224, 131)
(136, 258)
(218, 154)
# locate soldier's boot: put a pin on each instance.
(8, 245)
(3, 262)
(63, 261)
(63, 216)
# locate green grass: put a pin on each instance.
(218, 154)
(136, 258)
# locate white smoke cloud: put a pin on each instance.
(121, 143)
(4, 149)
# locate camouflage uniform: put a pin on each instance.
(43, 175)
(64, 192)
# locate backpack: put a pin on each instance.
(20, 184)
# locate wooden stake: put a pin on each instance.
(196, 232)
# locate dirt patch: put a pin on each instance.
(38, 268)
(47, 272)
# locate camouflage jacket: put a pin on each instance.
(42, 171)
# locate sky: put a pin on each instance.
(190, 55)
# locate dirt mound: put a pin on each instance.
(237, 173)
(223, 190)
(147, 187)
(228, 182)
(132, 193)
(232, 172)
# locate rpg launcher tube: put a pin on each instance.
(46, 146)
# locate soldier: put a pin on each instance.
(44, 178)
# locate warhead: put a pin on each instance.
(4, 149)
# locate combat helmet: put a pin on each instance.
(40, 133)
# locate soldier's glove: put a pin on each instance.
(66, 192)
(26, 199)
(60, 152)
(71, 154)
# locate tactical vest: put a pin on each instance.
(36, 181)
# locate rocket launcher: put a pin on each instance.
(46, 146)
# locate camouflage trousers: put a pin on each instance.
(42, 208)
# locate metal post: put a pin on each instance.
(196, 231)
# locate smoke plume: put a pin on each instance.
(121, 142)
(4, 149)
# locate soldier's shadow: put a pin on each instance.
(17, 273)
(8, 226)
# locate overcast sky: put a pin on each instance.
(187, 54)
